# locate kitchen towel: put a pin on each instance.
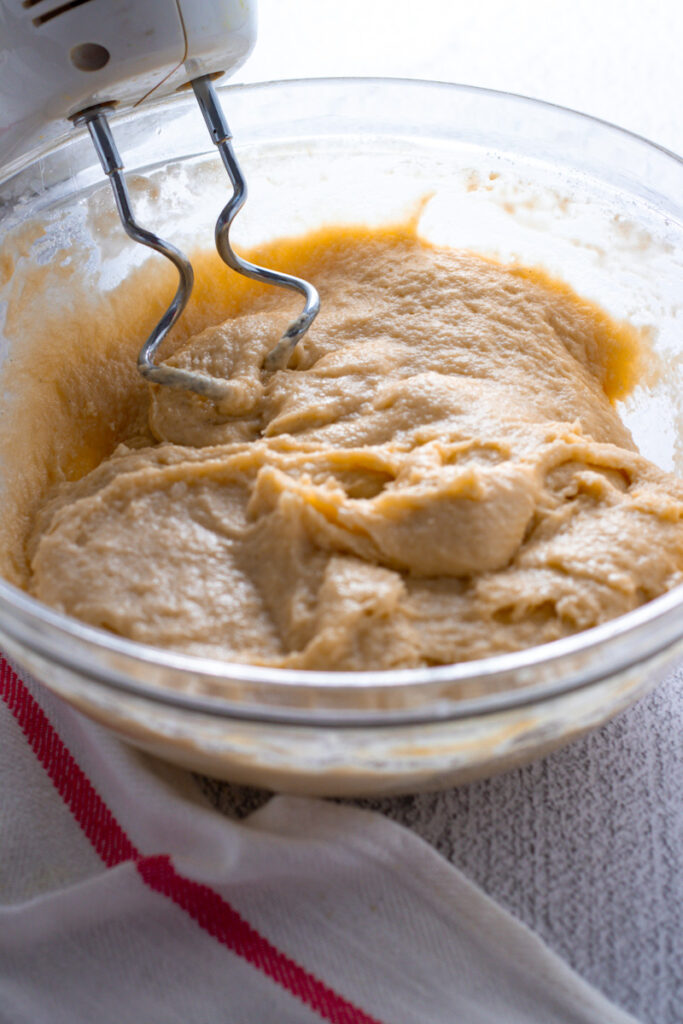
(126, 897)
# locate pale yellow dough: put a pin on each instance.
(439, 476)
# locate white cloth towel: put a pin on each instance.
(125, 897)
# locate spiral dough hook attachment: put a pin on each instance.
(279, 356)
(95, 119)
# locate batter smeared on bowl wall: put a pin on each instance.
(440, 475)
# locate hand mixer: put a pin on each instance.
(75, 61)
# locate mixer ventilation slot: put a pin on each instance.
(40, 19)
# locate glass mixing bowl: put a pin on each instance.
(500, 174)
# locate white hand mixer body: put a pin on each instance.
(74, 61)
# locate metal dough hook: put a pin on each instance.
(210, 107)
(214, 388)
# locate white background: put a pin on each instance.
(621, 60)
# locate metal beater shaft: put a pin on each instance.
(97, 124)
(210, 107)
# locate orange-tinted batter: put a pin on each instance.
(440, 475)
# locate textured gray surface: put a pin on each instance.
(584, 846)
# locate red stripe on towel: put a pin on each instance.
(210, 911)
